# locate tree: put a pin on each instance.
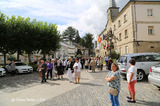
(114, 55)
(69, 34)
(77, 38)
(22, 35)
(88, 42)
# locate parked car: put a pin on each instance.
(20, 68)
(2, 72)
(154, 75)
(143, 62)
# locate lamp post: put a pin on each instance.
(110, 45)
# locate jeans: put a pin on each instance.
(114, 100)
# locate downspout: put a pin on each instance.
(135, 27)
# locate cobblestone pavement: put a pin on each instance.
(94, 93)
(10, 84)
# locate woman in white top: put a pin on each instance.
(70, 69)
(132, 79)
(77, 70)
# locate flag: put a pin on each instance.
(99, 39)
(103, 36)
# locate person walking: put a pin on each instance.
(93, 64)
(43, 69)
(38, 69)
(82, 62)
(101, 63)
(70, 69)
(13, 69)
(59, 68)
(49, 69)
(106, 60)
(53, 68)
(77, 70)
(132, 79)
(114, 81)
(98, 64)
(86, 64)
(110, 63)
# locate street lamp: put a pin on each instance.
(110, 45)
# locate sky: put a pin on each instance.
(87, 16)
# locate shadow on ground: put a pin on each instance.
(90, 84)
(148, 103)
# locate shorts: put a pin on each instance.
(77, 74)
(131, 86)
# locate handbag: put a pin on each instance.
(72, 71)
(112, 91)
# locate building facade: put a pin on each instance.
(66, 50)
(135, 29)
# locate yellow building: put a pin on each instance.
(135, 29)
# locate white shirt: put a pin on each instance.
(78, 65)
(65, 62)
(132, 69)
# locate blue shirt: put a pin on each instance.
(116, 84)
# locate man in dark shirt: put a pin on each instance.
(43, 69)
(82, 62)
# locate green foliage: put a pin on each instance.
(69, 34)
(22, 34)
(77, 38)
(11, 58)
(114, 55)
(87, 41)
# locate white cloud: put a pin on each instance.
(84, 15)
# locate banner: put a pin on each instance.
(99, 39)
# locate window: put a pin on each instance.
(120, 51)
(120, 37)
(31, 59)
(125, 19)
(150, 30)
(2, 59)
(156, 57)
(25, 60)
(114, 27)
(126, 34)
(144, 58)
(119, 23)
(126, 49)
(123, 59)
(37, 58)
(150, 12)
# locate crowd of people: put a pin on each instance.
(57, 68)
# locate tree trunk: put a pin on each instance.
(17, 55)
(29, 59)
(4, 59)
(44, 55)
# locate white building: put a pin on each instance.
(66, 50)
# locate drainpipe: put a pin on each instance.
(136, 38)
